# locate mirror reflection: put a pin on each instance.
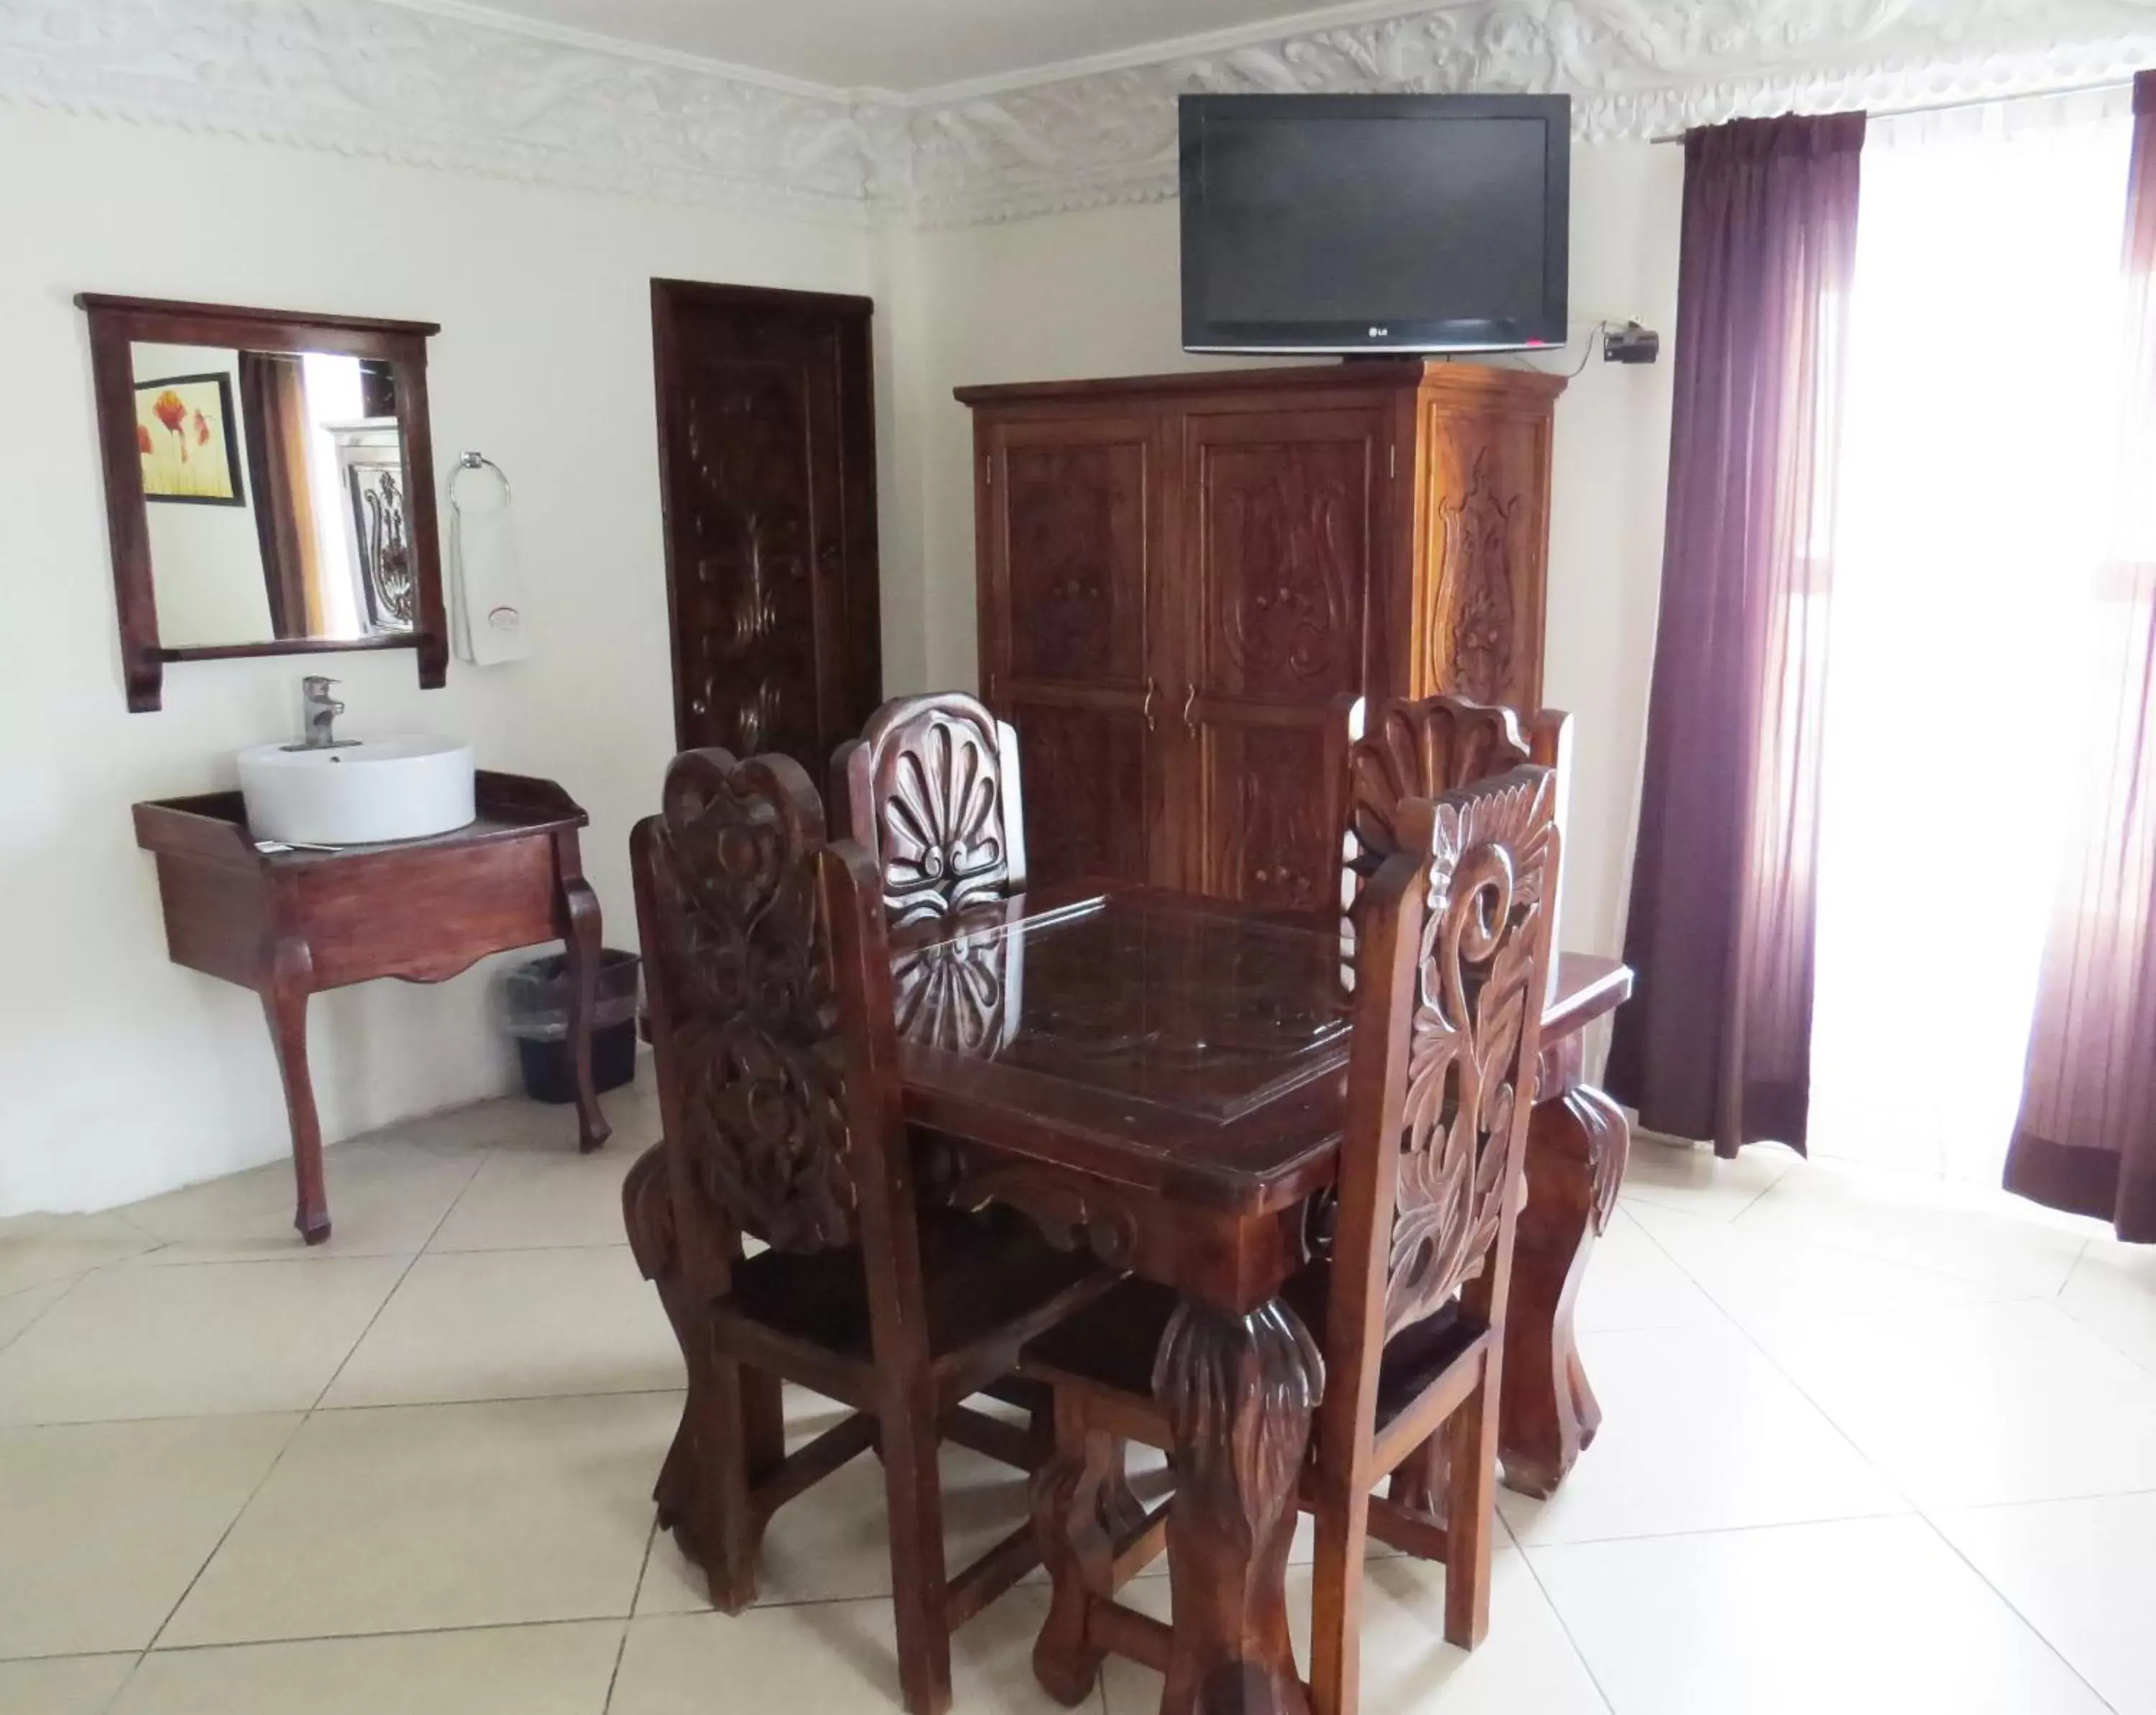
(275, 490)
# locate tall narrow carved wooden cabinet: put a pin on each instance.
(1184, 579)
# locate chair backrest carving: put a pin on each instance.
(932, 789)
(760, 1035)
(1415, 748)
(1448, 1028)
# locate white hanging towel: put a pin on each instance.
(487, 593)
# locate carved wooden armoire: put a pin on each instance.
(1185, 579)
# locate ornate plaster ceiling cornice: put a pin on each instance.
(438, 84)
(449, 89)
(1635, 68)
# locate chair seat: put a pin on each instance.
(980, 1273)
(1109, 1345)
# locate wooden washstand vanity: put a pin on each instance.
(289, 924)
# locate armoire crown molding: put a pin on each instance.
(433, 84)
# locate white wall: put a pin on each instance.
(120, 1074)
(1097, 293)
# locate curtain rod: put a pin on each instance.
(1955, 106)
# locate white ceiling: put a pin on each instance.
(905, 45)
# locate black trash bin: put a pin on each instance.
(538, 997)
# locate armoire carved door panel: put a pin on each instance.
(1482, 628)
(1069, 522)
(1086, 772)
(1279, 510)
(767, 486)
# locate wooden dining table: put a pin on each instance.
(1162, 1078)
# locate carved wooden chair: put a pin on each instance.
(1403, 747)
(931, 787)
(769, 986)
(1455, 944)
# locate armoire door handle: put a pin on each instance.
(1151, 687)
(1190, 696)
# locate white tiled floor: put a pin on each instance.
(1870, 1445)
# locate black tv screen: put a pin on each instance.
(1374, 223)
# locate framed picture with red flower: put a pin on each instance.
(189, 439)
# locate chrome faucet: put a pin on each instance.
(321, 713)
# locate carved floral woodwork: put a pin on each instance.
(739, 967)
(1280, 840)
(747, 622)
(1085, 791)
(950, 995)
(1305, 524)
(1469, 1075)
(1416, 750)
(1077, 559)
(1473, 624)
(471, 94)
(936, 786)
(1070, 1213)
(767, 504)
(1285, 533)
(386, 572)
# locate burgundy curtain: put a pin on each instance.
(2085, 1141)
(272, 404)
(1717, 1042)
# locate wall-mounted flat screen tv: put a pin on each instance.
(1374, 223)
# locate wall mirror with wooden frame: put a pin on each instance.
(268, 484)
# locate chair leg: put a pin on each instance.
(1077, 1499)
(919, 1592)
(727, 1530)
(1336, 1602)
(1470, 1510)
(763, 1422)
(1420, 1484)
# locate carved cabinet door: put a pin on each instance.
(767, 488)
(1069, 517)
(1279, 518)
(1481, 618)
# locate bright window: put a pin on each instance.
(1975, 485)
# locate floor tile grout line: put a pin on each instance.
(2014, 1608)
(298, 1430)
(1564, 1625)
(1826, 1416)
(112, 1697)
(222, 1537)
(1914, 1509)
(635, 1598)
(72, 1423)
(2134, 1493)
(1926, 1270)
(1529, 1546)
(347, 1637)
(404, 1274)
(65, 1293)
(1904, 1311)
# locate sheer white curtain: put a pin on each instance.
(1977, 455)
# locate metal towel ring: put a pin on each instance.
(477, 461)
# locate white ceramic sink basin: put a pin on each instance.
(358, 794)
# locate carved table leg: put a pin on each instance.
(580, 906)
(1577, 1141)
(284, 1006)
(1239, 1391)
